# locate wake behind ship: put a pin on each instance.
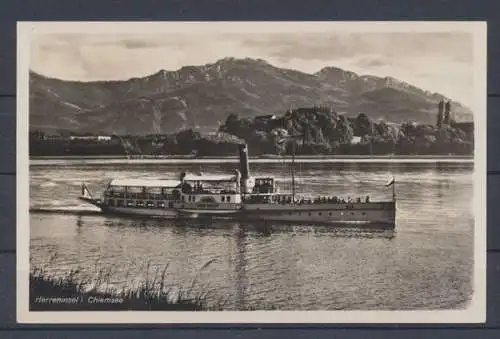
(237, 196)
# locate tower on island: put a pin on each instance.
(439, 122)
(444, 114)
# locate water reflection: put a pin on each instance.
(211, 227)
(240, 266)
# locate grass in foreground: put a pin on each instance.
(50, 293)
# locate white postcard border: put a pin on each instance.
(475, 313)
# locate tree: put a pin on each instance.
(231, 125)
(362, 125)
(187, 141)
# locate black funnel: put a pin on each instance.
(244, 167)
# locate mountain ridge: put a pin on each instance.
(202, 97)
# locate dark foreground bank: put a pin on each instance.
(49, 293)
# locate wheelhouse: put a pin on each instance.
(264, 185)
(264, 190)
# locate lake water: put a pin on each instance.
(426, 263)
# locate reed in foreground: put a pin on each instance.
(50, 293)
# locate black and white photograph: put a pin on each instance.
(251, 172)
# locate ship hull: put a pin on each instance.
(207, 210)
(362, 214)
(357, 214)
(167, 213)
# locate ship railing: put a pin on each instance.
(335, 200)
(139, 196)
(208, 192)
(208, 205)
(285, 198)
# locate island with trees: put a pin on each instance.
(304, 131)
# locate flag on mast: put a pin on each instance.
(390, 182)
(85, 192)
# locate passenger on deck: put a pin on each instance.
(367, 198)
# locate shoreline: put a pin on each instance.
(166, 160)
(270, 156)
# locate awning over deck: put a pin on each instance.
(211, 177)
(145, 183)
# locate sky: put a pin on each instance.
(435, 61)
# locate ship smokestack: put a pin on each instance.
(238, 178)
(244, 167)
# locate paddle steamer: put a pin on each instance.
(237, 196)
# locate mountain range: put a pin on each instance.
(202, 97)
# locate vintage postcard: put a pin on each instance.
(251, 172)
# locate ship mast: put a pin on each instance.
(293, 137)
(293, 163)
(394, 190)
